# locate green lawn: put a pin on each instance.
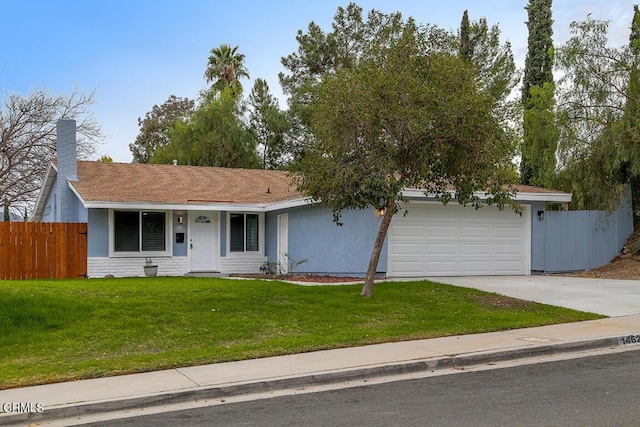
(72, 329)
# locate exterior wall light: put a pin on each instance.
(380, 212)
(180, 219)
(540, 215)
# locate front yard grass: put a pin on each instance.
(73, 329)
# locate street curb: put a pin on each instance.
(199, 394)
(540, 350)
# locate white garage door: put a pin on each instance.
(437, 240)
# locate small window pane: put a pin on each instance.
(202, 220)
(236, 228)
(126, 231)
(153, 236)
(252, 232)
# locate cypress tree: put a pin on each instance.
(630, 158)
(538, 70)
(465, 53)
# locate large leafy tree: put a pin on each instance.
(539, 135)
(225, 68)
(154, 128)
(598, 114)
(269, 125)
(214, 135)
(353, 36)
(406, 114)
(323, 53)
(28, 140)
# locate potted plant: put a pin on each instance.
(150, 270)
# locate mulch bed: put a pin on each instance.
(302, 278)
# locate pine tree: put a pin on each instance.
(538, 72)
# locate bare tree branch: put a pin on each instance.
(28, 139)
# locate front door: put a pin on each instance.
(203, 241)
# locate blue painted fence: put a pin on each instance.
(582, 240)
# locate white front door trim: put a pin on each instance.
(283, 243)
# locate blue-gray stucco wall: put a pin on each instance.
(98, 233)
(179, 249)
(223, 233)
(328, 248)
(538, 237)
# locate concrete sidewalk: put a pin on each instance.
(67, 401)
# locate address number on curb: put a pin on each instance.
(629, 340)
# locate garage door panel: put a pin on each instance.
(410, 231)
(475, 249)
(440, 249)
(450, 240)
(444, 231)
(508, 249)
(406, 248)
(467, 231)
(475, 267)
(506, 231)
(438, 268)
(410, 268)
(509, 266)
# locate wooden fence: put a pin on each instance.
(43, 250)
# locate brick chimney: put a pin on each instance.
(67, 162)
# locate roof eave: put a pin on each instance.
(287, 204)
(555, 197)
(247, 207)
(210, 206)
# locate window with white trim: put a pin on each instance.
(140, 231)
(244, 231)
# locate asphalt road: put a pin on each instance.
(590, 391)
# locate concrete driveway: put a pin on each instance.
(603, 296)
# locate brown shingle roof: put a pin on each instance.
(531, 189)
(169, 184)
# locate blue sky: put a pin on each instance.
(136, 53)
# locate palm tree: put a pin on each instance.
(226, 67)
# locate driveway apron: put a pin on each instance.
(609, 297)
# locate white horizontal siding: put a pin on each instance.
(169, 266)
(242, 263)
(131, 267)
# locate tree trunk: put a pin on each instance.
(367, 289)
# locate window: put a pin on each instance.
(243, 232)
(139, 231)
(126, 226)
